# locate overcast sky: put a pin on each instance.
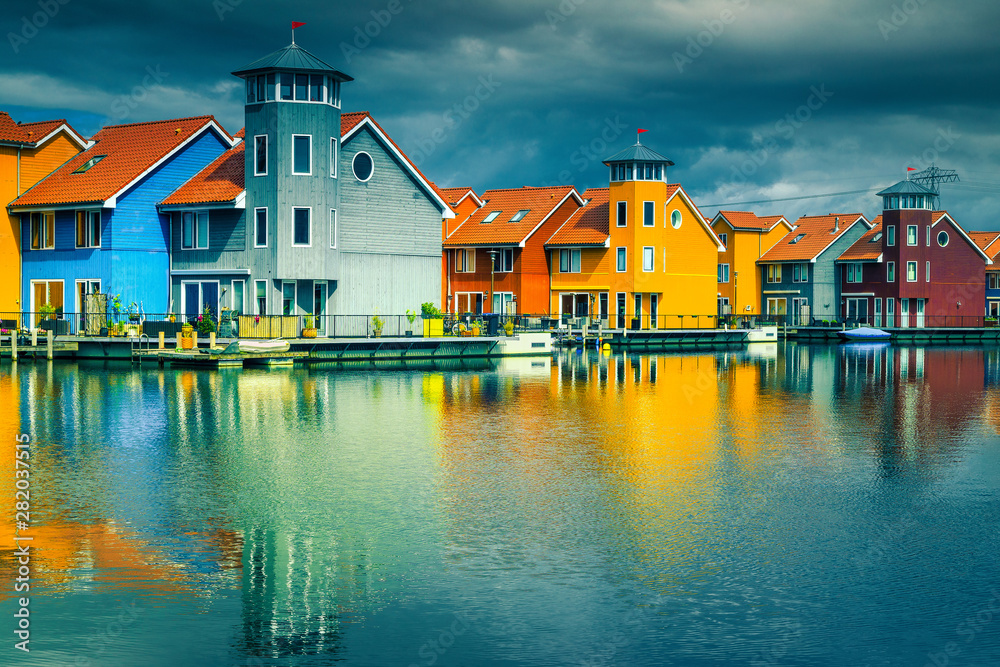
(752, 99)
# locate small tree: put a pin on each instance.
(206, 324)
(430, 312)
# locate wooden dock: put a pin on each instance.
(205, 359)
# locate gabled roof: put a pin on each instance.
(938, 216)
(130, 152)
(906, 188)
(539, 202)
(454, 196)
(638, 153)
(811, 236)
(352, 123)
(221, 182)
(984, 240)
(867, 248)
(747, 221)
(292, 58)
(674, 189)
(37, 133)
(588, 226)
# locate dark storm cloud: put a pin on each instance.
(503, 94)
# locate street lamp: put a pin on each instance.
(493, 266)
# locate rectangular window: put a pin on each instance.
(890, 272)
(503, 260)
(251, 87)
(890, 235)
(302, 227)
(88, 229)
(194, 231)
(269, 91)
(316, 88)
(637, 312)
(465, 260)
(261, 84)
(287, 78)
(647, 258)
(288, 298)
(647, 214)
(569, 261)
(43, 231)
(333, 157)
(993, 280)
(723, 276)
(911, 272)
(724, 238)
(238, 287)
(927, 271)
(621, 260)
(260, 228)
(302, 87)
(261, 288)
(911, 235)
(260, 155)
(333, 228)
(334, 93)
(878, 312)
(302, 154)
(620, 309)
(928, 235)
(774, 273)
(854, 273)
(621, 219)
(800, 273)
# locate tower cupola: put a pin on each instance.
(638, 163)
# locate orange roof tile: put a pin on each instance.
(866, 248)
(242, 134)
(219, 182)
(816, 236)
(539, 202)
(984, 240)
(454, 195)
(749, 221)
(587, 225)
(31, 133)
(130, 150)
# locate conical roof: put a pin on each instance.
(291, 58)
(638, 153)
(907, 188)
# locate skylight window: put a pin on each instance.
(797, 238)
(491, 217)
(89, 163)
(520, 214)
(876, 238)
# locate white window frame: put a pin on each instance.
(295, 296)
(196, 217)
(914, 278)
(255, 223)
(333, 228)
(676, 213)
(912, 228)
(773, 271)
(334, 156)
(89, 225)
(723, 276)
(302, 173)
(501, 256)
(927, 271)
(854, 271)
(256, 156)
(621, 214)
(800, 273)
(43, 226)
(238, 307)
(465, 266)
(256, 298)
(650, 208)
(890, 272)
(575, 261)
(928, 235)
(890, 235)
(621, 259)
(354, 171)
(648, 252)
(724, 238)
(302, 245)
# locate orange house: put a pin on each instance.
(496, 260)
(28, 153)
(658, 266)
(463, 202)
(746, 238)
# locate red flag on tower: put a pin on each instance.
(297, 24)
(641, 131)
(911, 169)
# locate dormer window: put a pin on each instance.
(491, 217)
(876, 238)
(520, 215)
(797, 239)
(88, 164)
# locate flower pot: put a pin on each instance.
(475, 332)
(309, 332)
(409, 333)
(187, 343)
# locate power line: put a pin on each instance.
(769, 201)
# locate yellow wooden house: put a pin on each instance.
(28, 153)
(746, 237)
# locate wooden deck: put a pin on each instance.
(204, 359)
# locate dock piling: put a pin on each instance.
(178, 347)
(211, 340)
(162, 341)
(34, 338)
(13, 345)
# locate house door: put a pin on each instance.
(800, 312)
(904, 313)
(582, 305)
(198, 296)
(319, 306)
(620, 305)
(920, 313)
(565, 307)
(83, 288)
(890, 312)
(654, 302)
(46, 292)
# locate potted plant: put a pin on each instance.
(433, 319)
(187, 340)
(171, 317)
(48, 311)
(991, 321)
(206, 324)
(308, 330)
(106, 330)
(377, 324)
(508, 327)
(411, 316)
(477, 327)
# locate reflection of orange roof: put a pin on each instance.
(539, 202)
(128, 150)
(815, 234)
(866, 248)
(587, 225)
(750, 221)
(221, 181)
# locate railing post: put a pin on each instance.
(48, 345)
(162, 340)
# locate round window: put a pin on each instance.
(675, 219)
(363, 166)
(942, 239)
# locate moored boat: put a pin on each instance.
(275, 345)
(864, 333)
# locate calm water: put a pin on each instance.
(787, 505)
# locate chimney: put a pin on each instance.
(836, 224)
